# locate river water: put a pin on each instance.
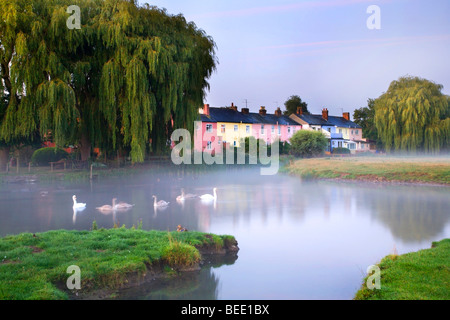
(298, 239)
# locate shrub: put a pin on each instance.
(306, 143)
(341, 151)
(180, 254)
(44, 156)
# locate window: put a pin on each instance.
(289, 130)
(209, 145)
(247, 129)
(209, 128)
(262, 129)
(351, 146)
(352, 131)
(234, 143)
(340, 130)
(236, 128)
(362, 145)
(279, 130)
(273, 129)
(357, 131)
(222, 128)
(329, 130)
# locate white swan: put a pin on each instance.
(208, 197)
(107, 207)
(123, 205)
(77, 205)
(160, 203)
(184, 196)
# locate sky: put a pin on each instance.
(322, 51)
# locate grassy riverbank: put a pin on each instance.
(427, 170)
(35, 266)
(422, 275)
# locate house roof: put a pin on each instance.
(315, 119)
(233, 116)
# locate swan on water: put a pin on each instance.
(160, 203)
(77, 205)
(184, 196)
(123, 205)
(107, 207)
(209, 196)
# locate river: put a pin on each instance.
(298, 239)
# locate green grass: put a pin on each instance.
(35, 267)
(422, 275)
(375, 168)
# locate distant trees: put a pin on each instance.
(365, 117)
(413, 115)
(307, 143)
(293, 103)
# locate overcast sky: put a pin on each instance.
(322, 51)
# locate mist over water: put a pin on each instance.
(297, 239)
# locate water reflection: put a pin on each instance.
(76, 211)
(305, 239)
(196, 285)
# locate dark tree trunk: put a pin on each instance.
(85, 147)
(4, 158)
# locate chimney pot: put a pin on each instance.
(206, 110)
(245, 111)
(278, 112)
(263, 111)
(346, 116)
(299, 110)
(325, 114)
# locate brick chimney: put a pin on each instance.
(346, 116)
(278, 112)
(263, 111)
(325, 114)
(245, 111)
(233, 107)
(206, 110)
(299, 111)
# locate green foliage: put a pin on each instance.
(306, 143)
(422, 275)
(413, 115)
(35, 267)
(341, 151)
(365, 117)
(44, 156)
(293, 103)
(129, 76)
(178, 254)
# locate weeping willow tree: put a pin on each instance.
(413, 115)
(122, 81)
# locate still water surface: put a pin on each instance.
(297, 239)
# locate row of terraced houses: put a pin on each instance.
(227, 126)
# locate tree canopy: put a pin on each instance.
(308, 143)
(413, 115)
(127, 77)
(365, 117)
(292, 103)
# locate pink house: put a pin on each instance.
(268, 127)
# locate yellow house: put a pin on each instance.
(233, 132)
